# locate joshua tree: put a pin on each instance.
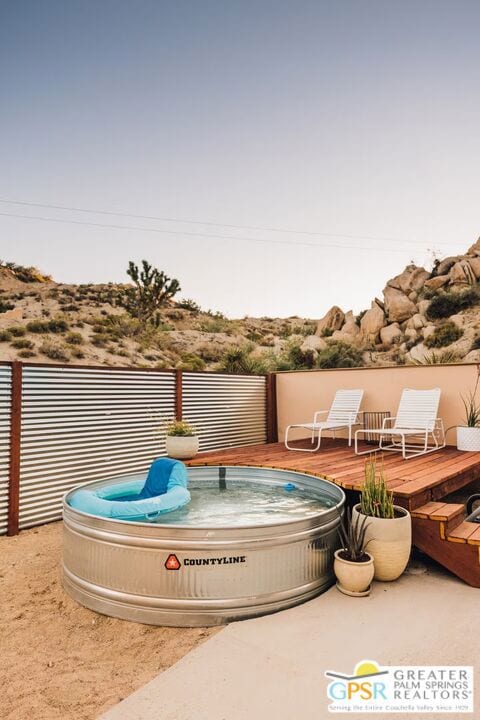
(152, 290)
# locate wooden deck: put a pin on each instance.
(414, 482)
(419, 484)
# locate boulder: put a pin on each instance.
(419, 353)
(474, 263)
(11, 317)
(444, 266)
(418, 321)
(390, 334)
(313, 342)
(461, 273)
(436, 282)
(423, 307)
(397, 305)
(411, 334)
(473, 356)
(427, 331)
(372, 322)
(350, 326)
(474, 249)
(411, 279)
(333, 320)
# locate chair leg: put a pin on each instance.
(349, 436)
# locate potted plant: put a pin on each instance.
(468, 435)
(181, 439)
(353, 565)
(389, 532)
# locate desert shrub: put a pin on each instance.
(449, 303)
(339, 355)
(77, 353)
(4, 306)
(100, 339)
(26, 353)
(210, 352)
(441, 358)
(190, 361)
(17, 331)
(444, 335)
(216, 325)
(238, 361)
(5, 336)
(38, 326)
(190, 305)
(58, 325)
(74, 338)
(71, 307)
(55, 325)
(299, 359)
(54, 350)
(327, 332)
(22, 344)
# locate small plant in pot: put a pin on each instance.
(468, 435)
(389, 531)
(353, 565)
(181, 439)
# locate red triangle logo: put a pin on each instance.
(172, 563)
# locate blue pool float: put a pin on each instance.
(164, 490)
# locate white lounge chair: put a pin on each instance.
(416, 420)
(344, 413)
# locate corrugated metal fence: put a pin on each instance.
(5, 405)
(82, 423)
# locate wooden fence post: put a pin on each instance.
(15, 439)
(271, 408)
(178, 394)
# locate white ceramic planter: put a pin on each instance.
(182, 447)
(353, 577)
(468, 439)
(389, 541)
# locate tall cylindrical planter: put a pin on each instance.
(468, 439)
(389, 540)
(181, 447)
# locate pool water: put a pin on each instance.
(244, 503)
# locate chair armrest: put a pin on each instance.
(319, 412)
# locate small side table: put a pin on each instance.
(373, 419)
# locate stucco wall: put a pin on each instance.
(300, 394)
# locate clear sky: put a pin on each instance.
(342, 117)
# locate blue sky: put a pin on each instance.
(354, 119)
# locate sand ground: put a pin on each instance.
(58, 659)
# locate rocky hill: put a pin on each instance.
(424, 316)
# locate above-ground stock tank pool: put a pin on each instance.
(251, 541)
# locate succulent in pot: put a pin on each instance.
(468, 435)
(181, 439)
(353, 565)
(389, 532)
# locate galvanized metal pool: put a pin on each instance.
(252, 541)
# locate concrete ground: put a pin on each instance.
(272, 668)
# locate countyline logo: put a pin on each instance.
(173, 563)
(401, 689)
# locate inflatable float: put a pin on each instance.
(164, 490)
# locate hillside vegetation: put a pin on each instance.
(423, 317)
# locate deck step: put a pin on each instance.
(440, 530)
